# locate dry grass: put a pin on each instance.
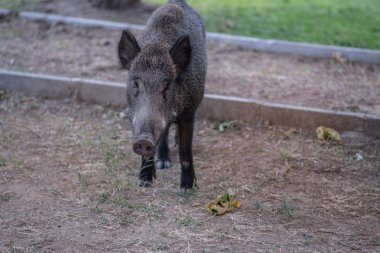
(69, 183)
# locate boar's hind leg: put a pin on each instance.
(185, 129)
(163, 161)
(147, 172)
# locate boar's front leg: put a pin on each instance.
(163, 160)
(185, 131)
(147, 172)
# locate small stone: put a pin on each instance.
(123, 115)
(359, 157)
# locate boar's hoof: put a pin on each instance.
(183, 191)
(188, 184)
(163, 164)
(145, 183)
(147, 174)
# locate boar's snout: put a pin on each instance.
(144, 146)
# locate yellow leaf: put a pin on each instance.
(325, 133)
(218, 209)
(292, 131)
(338, 58)
(236, 203)
(223, 203)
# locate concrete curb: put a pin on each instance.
(298, 48)
(270, 46)
(56, 87)
(214, 107)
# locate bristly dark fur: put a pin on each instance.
(167, 69)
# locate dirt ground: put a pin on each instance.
(68, 183)
(68, 176)
(91, 53)
(137, 14)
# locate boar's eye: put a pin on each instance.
(166, 86)
(135, 84)
(135, 87)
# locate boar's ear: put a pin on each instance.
(181, 52)
(128, 49)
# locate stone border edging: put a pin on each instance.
(270, 46)
(214, 107)
(298, 48)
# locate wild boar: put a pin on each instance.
(167, 68)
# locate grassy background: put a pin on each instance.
(14, 4)
(354, 23)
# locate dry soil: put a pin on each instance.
(68, 183)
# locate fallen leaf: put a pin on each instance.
(236, 203)
(201, 133)
(326, 133)
(338, 58)
(229, 24)
(223, 203)
(292, 131)
(218, 209)
(195, 204)
(222, 127)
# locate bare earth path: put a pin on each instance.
(91, 53)
(68, 184)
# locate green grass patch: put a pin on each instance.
(4, 197)
(3, 162)
(288, 209)
(351, 23)
(15, 5)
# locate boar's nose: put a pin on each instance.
(144, 146)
